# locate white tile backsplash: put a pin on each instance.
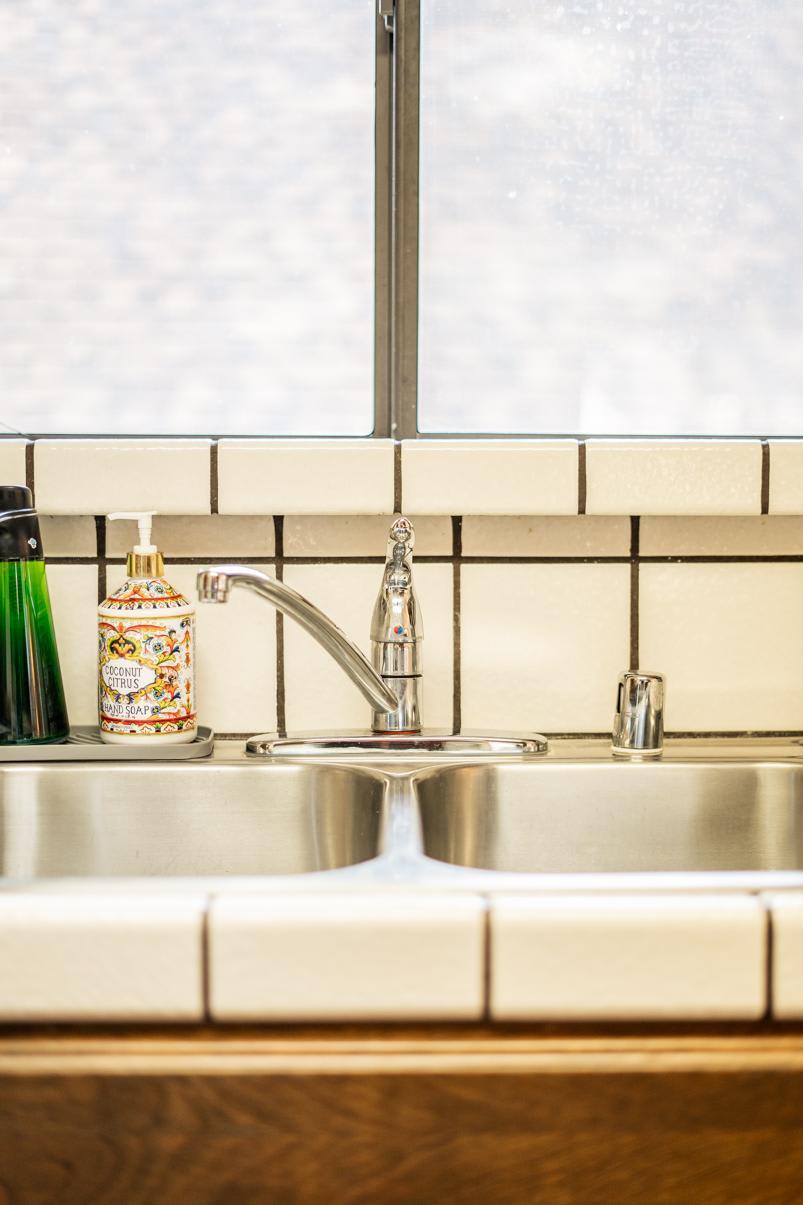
(723, 535)
(317, 689)
(12, 461)
(729, 638)
(98, 956)
(361, 535)
(74, 601)
(618, 957)
(356, 956)
(236, 657)
(68, 535)
(546, 535)
(225, 537)
(305, 476)
(673, 477)
(540, 643)
(96, 476)
(495, 476)
(543, 645)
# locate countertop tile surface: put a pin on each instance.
(491, 477)
(673, 477)
(627, 957)
(305, 476)
(100, 956)
(12, 461)
(96, 476)
(366, 956)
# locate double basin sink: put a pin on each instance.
(703, 815)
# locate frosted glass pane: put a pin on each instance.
(186, 216)
(612, 216)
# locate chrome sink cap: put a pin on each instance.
(411, 744)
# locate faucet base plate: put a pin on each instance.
(268, 744)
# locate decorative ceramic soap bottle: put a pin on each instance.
(146, 650)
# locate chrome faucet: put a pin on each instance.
(638, 723)
(392, 685)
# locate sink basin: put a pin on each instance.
(611, 817)
(179, 819)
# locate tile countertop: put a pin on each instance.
(404, 937)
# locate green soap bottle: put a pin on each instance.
(32, 706)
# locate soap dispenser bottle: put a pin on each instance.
(32, 707)
(146, 650)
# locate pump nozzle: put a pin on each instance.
(144, 520)
(145, 560)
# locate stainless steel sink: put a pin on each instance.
(606, 817)
(186, 819)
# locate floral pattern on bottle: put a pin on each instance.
(146, 673)
(145, 595)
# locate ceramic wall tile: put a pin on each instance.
(543, 645)
(96, 476)
(787, 954)
(305, 476)
(361, 535)
(786, 476)
(627, 957)
(12, 461)
(236, 656)
(355, 956)
(491, 477)
(730, 641)
(723, 535)
(68, 535)
(319, 695)
(227, 537)
(673, 477)
(74, 601)
(546, 535)
(100, 957)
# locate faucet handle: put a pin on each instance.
(638, 724)
(402, 532)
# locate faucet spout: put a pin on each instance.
(215, 585)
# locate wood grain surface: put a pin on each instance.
(204, 1116)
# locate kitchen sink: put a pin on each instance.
(186, 819)
(609, 817)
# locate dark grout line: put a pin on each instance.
(206, 1001)
(72, 560)
(397, 477)
(745, 559)
(746, 734)
(795, 736)
(445, 559)
(634, 591)
(187, 560)
(100, 538)
(30, 472)
(457, 668)
(765, 476)
(770, 937)
(213, 477)
(544, 560)
(487, 969)
(281, 694)
(582, 481)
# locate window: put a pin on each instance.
(611, 233)
(551, 216)
(187, 194)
